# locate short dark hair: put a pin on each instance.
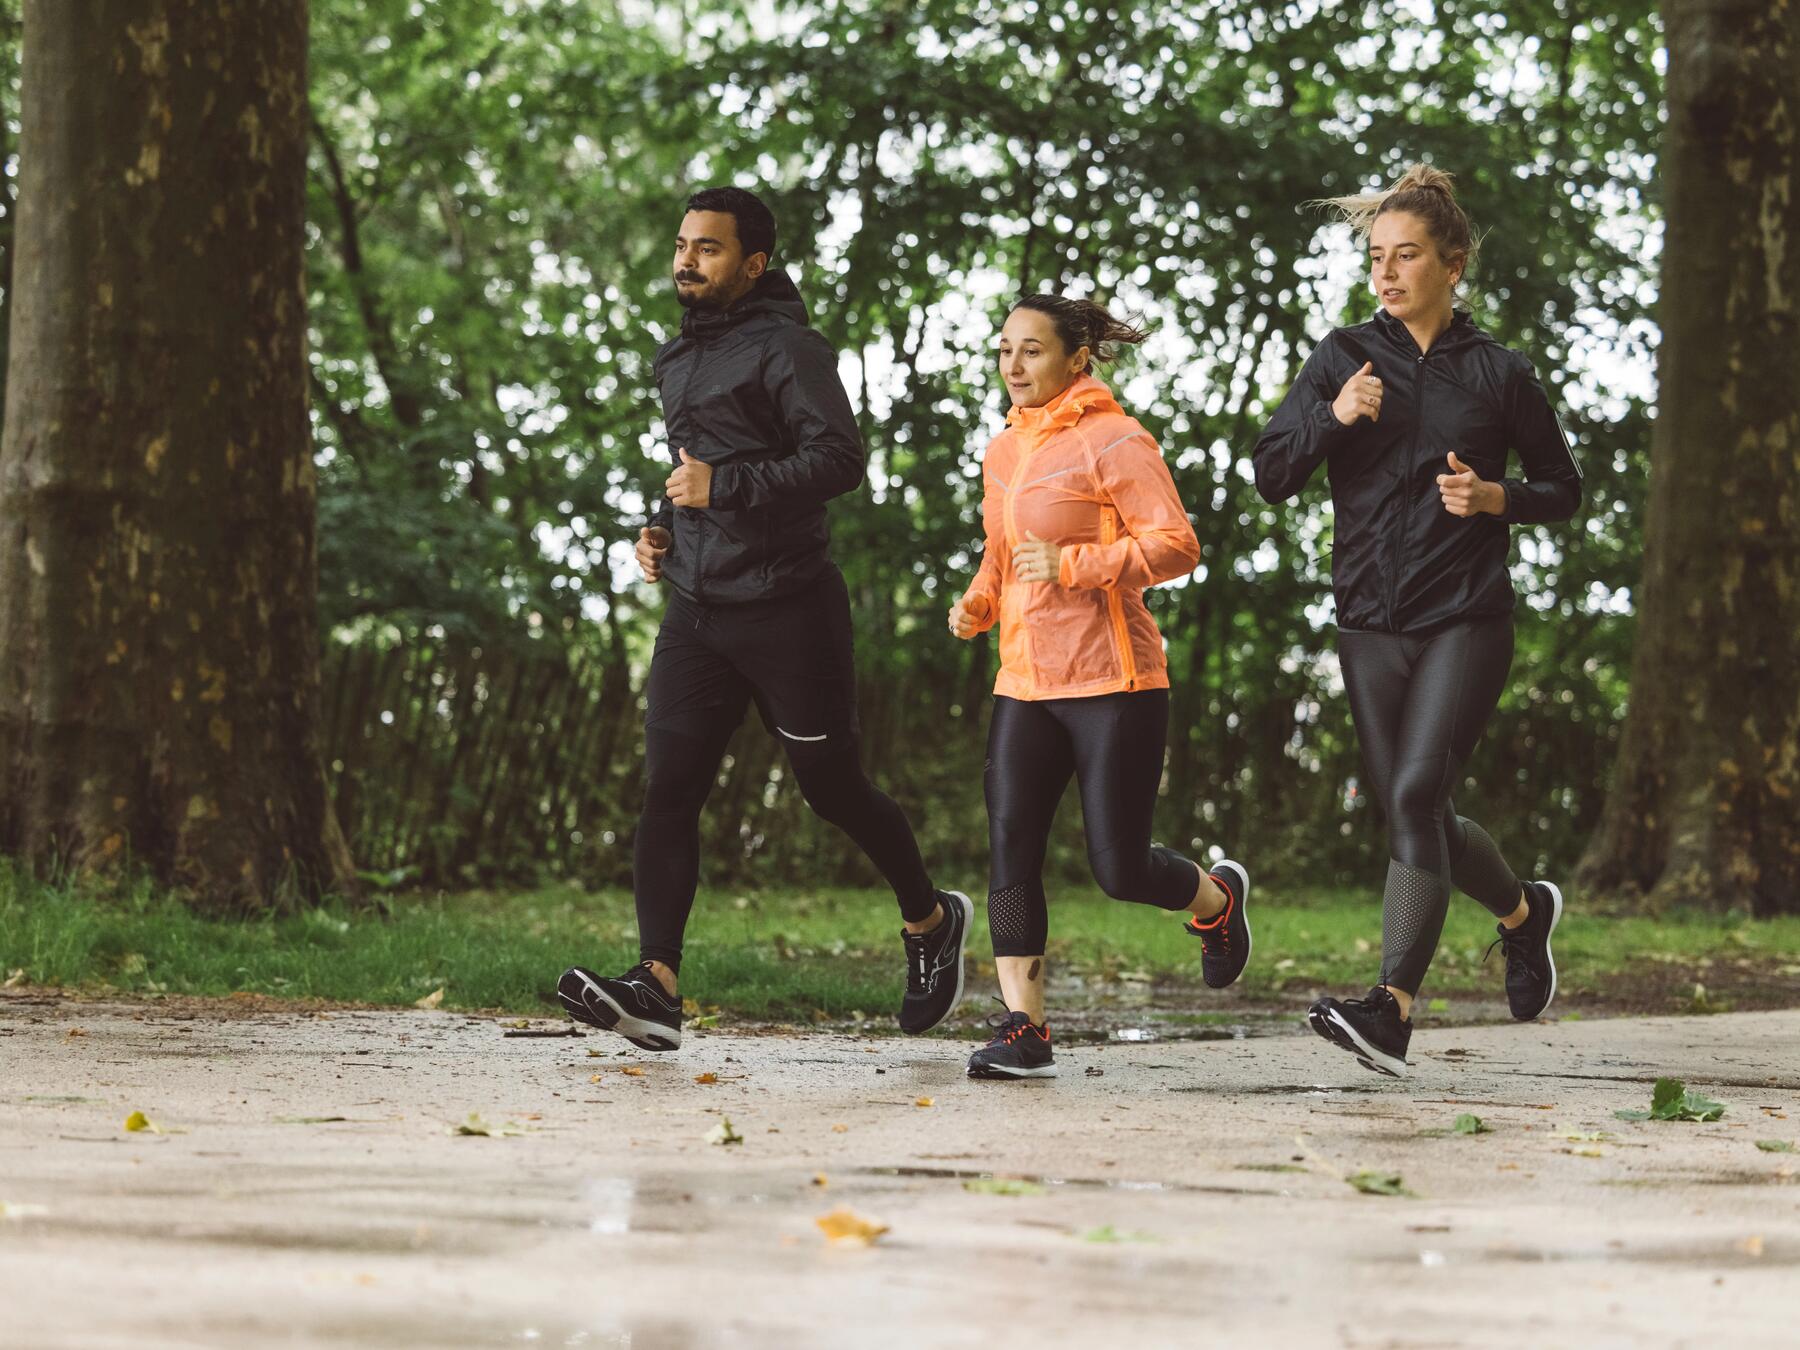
(755, 222)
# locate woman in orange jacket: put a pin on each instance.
(1080, 515)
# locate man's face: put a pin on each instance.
(711, 270)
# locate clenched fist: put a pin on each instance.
(651, 545)
(1360, 397)
(691, 483)
(1465, 493)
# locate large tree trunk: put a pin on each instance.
(159, 693)
(1706, 805)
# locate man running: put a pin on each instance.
(761, 436)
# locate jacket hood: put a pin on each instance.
(1086, 394)
(774, 294)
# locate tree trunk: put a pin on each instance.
(159, 700)
(1706, 803)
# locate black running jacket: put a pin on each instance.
(754, 392)
(1401, 563)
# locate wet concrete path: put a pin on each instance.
(307, 1188)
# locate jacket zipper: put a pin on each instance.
(699, 520)
(1116, 609)
(1012, 542)
(1406, 495)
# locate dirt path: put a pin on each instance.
(1189, 1192)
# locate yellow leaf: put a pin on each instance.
(1752, 1245)
(431, 1000)
(840, 1129)
(632, 1071)
(706, 1078)
(847, 1226)
(924, 1101)
(819, 1180)
(137, 1122)
(594, 1079)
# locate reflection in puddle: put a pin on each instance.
(610, 1199)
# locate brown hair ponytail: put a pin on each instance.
(1082, 323)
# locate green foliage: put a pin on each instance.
(493, 186)
(1380, 1183)
(1470, 1124)
(1672, 1099)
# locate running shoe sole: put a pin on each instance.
(597, 1008)
(991, 1071)
(962, 948)
(1556, 912)
(1334, 1028)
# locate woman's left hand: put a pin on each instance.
(1467, 494)
(1037, 559)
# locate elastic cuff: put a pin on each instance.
(915, 910)
(669, 956)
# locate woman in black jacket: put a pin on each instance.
(1413, 414)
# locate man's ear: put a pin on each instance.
(755, 265)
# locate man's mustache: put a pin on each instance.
(689, 276)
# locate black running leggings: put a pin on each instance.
(1420, 705)
(790, 657)
(1113, 746)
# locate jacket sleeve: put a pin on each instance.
(1552, 487)
(1159, 543)
(801, 380)
(1303, 431)
(982, 599)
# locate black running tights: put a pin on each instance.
(1420, 705)
(1112, 745)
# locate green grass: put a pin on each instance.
(793, 956)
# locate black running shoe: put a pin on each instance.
(1530, 969)
(1224, 938)
(1370, 1028)
(934, 966)
(633, 1005)
(1018, 1050)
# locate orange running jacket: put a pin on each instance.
(1080, 473)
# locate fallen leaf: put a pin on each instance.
(840, 1129)
(1002, 1186)
(848, 1227)
(1586, 1152)
(480, 1128)
(1752, 1245)
(1776, 1145)
(1470, 1124)
(1378, 1183)
(924, 1101)
(137, 1122)
(519, 1024)
(431, 1000)
(76, 1031)
(723, 1133)
(596, 1054)
(705, 1023)
(1672, 1099)
(1108, 1234)
(706, 1078)
(594, 1079)
(14, 979)
(819, 1180)
(631, 1071)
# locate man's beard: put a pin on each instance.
(696, 299)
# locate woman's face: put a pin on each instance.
(1033, 361)
(1406, 272)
